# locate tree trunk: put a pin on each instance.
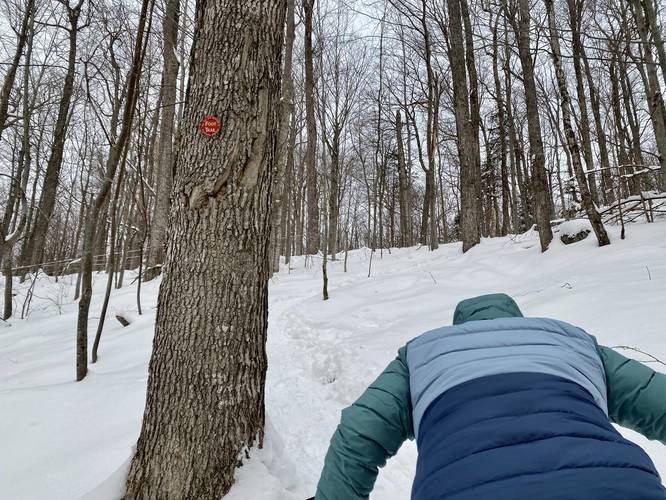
(19, 183)
(312, 238)
(205, 400)
(10, 75)
(651, 17)
(52, 175)
(405, 239)
(429, 213)
(466, 141)
(475, 114)
(539, 177)
(621, 138)
(285, 144)
(100, 202)
(501, 132)
(112, 260)
(652, 88)
(606, 177)
(588, 202)
(575, 20)
(334, 195)
(164, 174)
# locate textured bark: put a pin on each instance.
(312, 237)
(539, 175)
(404, 195)
(285, 144)
(205, 400)
(652, 87)
(289, 217)
(467, 140)
(432, 131)
(474, 105)
(164, 174)
(575, 20)
(333, 215)
(586, 197)
(47, 200)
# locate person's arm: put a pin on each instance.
(371, 431)
(636, 395)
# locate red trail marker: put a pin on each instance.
(210, 126)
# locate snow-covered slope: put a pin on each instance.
(67, 440)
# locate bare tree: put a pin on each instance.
(520, 20)
(35, 245)
(92, 230)
(164, 175)
(572, 144)
(312, 239)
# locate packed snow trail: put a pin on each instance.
(63, 440)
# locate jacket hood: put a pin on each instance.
(492, 306)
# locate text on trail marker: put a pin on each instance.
(210, 126)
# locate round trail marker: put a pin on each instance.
(210, 126)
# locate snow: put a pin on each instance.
(573, 227)
(67, 440)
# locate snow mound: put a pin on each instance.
(573, 227)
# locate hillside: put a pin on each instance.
(65, 440)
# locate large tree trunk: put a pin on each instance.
(164, 174)
(312, 237)
(474, 105)
(468, 147)
(205, 399)
(588, 202)
(539, 178)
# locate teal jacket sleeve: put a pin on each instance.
(636, 395)
(371, 431)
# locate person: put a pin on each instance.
(504, 407)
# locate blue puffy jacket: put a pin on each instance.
(504, 407)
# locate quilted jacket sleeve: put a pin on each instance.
(636, 395)
(371, 431)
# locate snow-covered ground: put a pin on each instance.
(66, 440)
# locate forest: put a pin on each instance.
(400, 122)
(211, 144)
